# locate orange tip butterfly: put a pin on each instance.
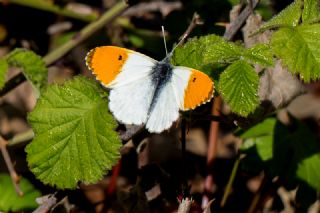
(146, 91)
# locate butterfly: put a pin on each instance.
(146, 91)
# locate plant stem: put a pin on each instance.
(7, 159)
(12, 83)
(230, 182)
(85, 33)
(46, 6)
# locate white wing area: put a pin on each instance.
(171, 98)
(180, 80)
(137, 66)
(132, 91)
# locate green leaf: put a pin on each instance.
(311, 10)
(306, 154)
(238, 86)
(32, 65)
(299, 49)
(297, 154)
(3, 72)
(206, 51)
(260, 136)
(259, 54)
(290, 16)
(292, 153)
(74, 135)
(10, 201)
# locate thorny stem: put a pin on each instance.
(65, 48)
(49, 7)
(7, 159)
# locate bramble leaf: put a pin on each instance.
(32, 65)
(238, 86)
(259, 54)
(211, 50)
(3, 71)
(311, 10)
(10, 201)
(286, 152)
(299, 49)
(261, 136)
(290, 16)
(74, 135)
(306, 154)
(214, 51)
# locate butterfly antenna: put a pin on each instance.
(164, 40)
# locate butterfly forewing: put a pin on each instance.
(128, 75)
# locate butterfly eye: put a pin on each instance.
(194, 79)
(120, 57)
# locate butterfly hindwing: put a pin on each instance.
(128, 75)
(198, 87)
(186, 89)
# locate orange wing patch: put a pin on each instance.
(106, 62)
(199, 90)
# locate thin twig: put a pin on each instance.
(239, 21)
(12, 83)
(196, 20)
(14, 177)
(230, 182)
(164, 7)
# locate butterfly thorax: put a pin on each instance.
(161, 74)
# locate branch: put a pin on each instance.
(194, 22)
(164, 7)
(85, 33)
(49, 7)
(7, 159)
(12, 83)
(240, 20)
